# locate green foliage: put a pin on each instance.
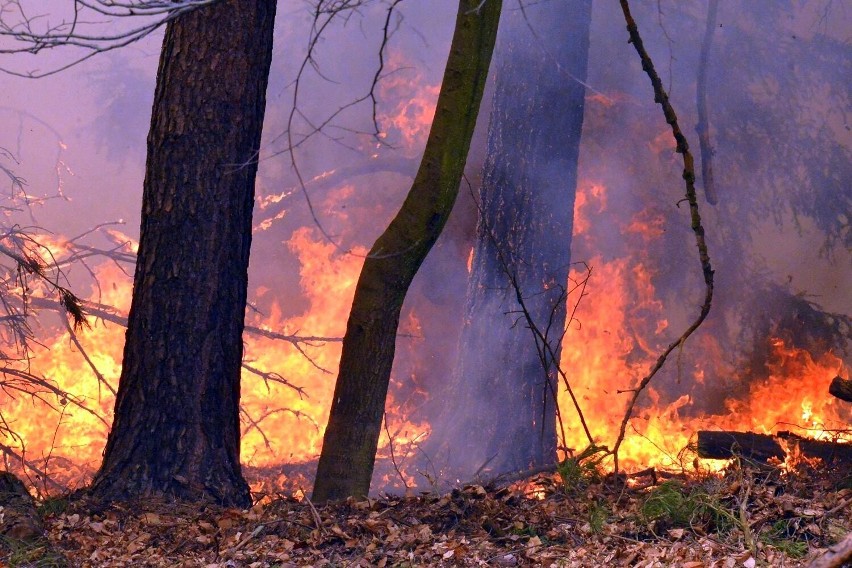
(21, 554)
(779, 538)
(673, 505)
(523, 530)
(598, 514)
(52, 506)
(579, 472)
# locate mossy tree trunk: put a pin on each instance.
(176, 427)
(351, 438)
(500, 412)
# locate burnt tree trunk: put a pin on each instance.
(502, 413)
(176, 427)
(351, 438)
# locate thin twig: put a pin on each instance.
(314, 513)
(392, 455)
(548, 354)
(661, 97)
(31, 466)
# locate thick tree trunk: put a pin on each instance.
(501, 414)
(176, 427)
(351, 438)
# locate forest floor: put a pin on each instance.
(747, 516)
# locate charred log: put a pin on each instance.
(726, 445)
(827, 451)
(762, 447)
(841, 388)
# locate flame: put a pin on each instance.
(590, 200)
(410, 118)
(617, 340)
(795, 393)
(648, 224)
(621, 329)
(281, 423)
(606, 354)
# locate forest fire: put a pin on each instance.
(287, 386)
(627, 312)
(407, 292)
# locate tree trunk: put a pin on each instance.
(502, 414)
(351, 438)
(176, 427)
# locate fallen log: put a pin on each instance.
(829, 452)
(726, 445)
(841, 388)
(762, 447)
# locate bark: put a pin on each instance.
(176, 427)
(502, 412)
(841, 388)
(351, 438)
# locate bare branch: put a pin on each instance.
(661, 97)
(88, 25)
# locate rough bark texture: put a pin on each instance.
(351, 438)
(176, 427)
(501, 414)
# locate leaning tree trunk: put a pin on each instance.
(176, 427)
(501, 412)
(351, 438)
